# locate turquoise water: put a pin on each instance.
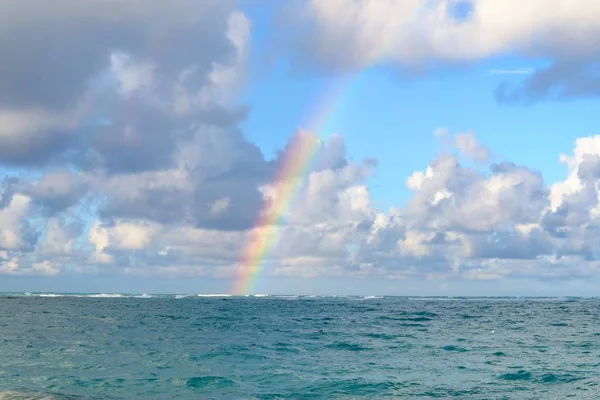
(286, 347)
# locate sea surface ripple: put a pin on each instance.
(297, 347)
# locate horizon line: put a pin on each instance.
(107, 294)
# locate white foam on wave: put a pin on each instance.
(430, 299)
(14, 395)
(91, 295)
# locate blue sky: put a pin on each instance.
(465, 106)
(392, 118)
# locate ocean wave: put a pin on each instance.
(432, 298)
(84, 295)
(21, 395)
(286, 297)
(371, 346)
(215, 295)
(106, 296)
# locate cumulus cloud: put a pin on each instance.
(42, 70)
(140, 164)
(136, 131)
(346, 35)
(31, 136)
(106, 107)
(459, 221)
(466, 144)
(14, 225)
(56, 191)
(130, 159)
(506, 222)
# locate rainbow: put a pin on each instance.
(300, 155)
(304, 151)
(286, 185)
(297, 161)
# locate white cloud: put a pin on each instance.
(459, 223)
(174, 188)
(45, 268)
(10, 265)
(409, 32)
(587, 149)
(13, 224)
(58, 240)
(220, 206)
(123, 235)
(467, 144)
(29, 122)
(224, 79)
(131, 76)
(518, 71)
(413, 35)
(100, 239)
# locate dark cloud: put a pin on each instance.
(7, 189)
(63, 44)
(218, 166)
(137, 138)
(49, 103)
(163, 205)
(56, 191)
(510, 245)
(33, 148)
(243, 201)
(564, 79)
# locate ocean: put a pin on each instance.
(297, 347)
